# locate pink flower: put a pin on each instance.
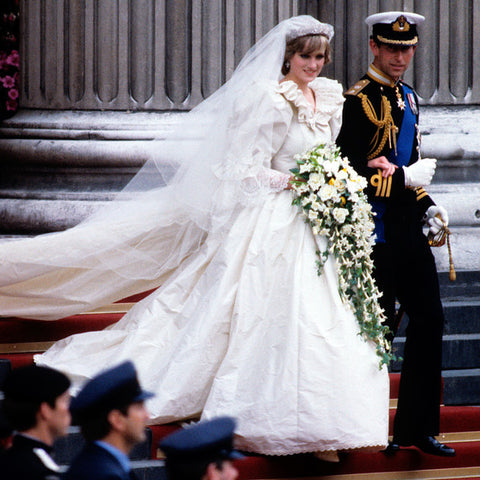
(13, 93)
(13, 59)
(8, 81)
(12, 105)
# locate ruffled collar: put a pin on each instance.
(328, 99)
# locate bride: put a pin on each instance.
(240, 322)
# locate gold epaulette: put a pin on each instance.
(421, 193)
(383, 122)
(358, 87)
(384, 185)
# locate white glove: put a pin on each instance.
(435, 218)
(420, 173)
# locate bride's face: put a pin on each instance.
(305, 67)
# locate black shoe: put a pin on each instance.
(391, 449)
(432, 446)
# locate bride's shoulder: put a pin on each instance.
(267, 93)
(272, 89)
(330, 90)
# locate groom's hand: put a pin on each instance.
(387, 167)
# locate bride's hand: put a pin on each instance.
(289, 184)
(384, 164)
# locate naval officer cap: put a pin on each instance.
(395, 28)
(35, 384)
(114, 388)
(204, 442)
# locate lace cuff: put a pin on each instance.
(277, 180)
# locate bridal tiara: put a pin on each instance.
(311, 27)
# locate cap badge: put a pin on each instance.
(401, 25)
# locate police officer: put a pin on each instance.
(36, 404)
(380, 136)
(112, 416)
(202, 452)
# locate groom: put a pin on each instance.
(381, 138)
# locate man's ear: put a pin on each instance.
(373, 47)
(44, 411)
(116, 420)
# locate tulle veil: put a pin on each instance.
(204, 171)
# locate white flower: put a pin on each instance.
(354, 198)
(306, 167)
(302, 188)
(327, 192)
(339, 185)
(315, 181)
(353, 186)
(319, 207)
(330, 167)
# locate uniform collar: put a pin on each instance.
(121, 457)
(21, 439)
(375, 74)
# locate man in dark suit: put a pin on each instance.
(202, 452)
(112, 416)
(36, 405)
(380, 136)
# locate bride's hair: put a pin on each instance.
(306, 44)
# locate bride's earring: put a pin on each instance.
(287, 64)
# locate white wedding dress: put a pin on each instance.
(243, 325)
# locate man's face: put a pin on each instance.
(58, 418)
(392, 59)
(135, 423)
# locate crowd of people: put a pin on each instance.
(250, 321)
(110, 410)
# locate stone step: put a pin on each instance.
(461, 387)
(462, 316)
(459, 351)
(466, 285)
(149, 469)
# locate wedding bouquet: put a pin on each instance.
(330, 195)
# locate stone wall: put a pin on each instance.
(169, 55)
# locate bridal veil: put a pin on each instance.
(201, 176)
